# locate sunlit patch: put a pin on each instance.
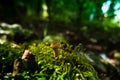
(105, 15)
(45, 13)
(106, 6)
(3, 39)
(117, 13)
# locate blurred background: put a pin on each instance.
(94, 23)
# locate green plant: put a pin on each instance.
(8, 52)
(71, 65)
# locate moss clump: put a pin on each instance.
(71, 65)
(8, 53)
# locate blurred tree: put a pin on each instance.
(98, 10)
(111, 9)
(7, 9)
(61, 10)
(75, 11)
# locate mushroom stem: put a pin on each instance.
(56, 53)
(56, 47)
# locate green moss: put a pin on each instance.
(72, 64)
(8, 53)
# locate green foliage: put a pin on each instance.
(8, 53)
(56, 10)
(71, 65)
(84, 18)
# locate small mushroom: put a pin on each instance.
(56, 46)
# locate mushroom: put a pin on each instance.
(55, 45)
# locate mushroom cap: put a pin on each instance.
(55, 44)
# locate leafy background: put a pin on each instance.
(75, 21)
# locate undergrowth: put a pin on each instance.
(71, 65)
